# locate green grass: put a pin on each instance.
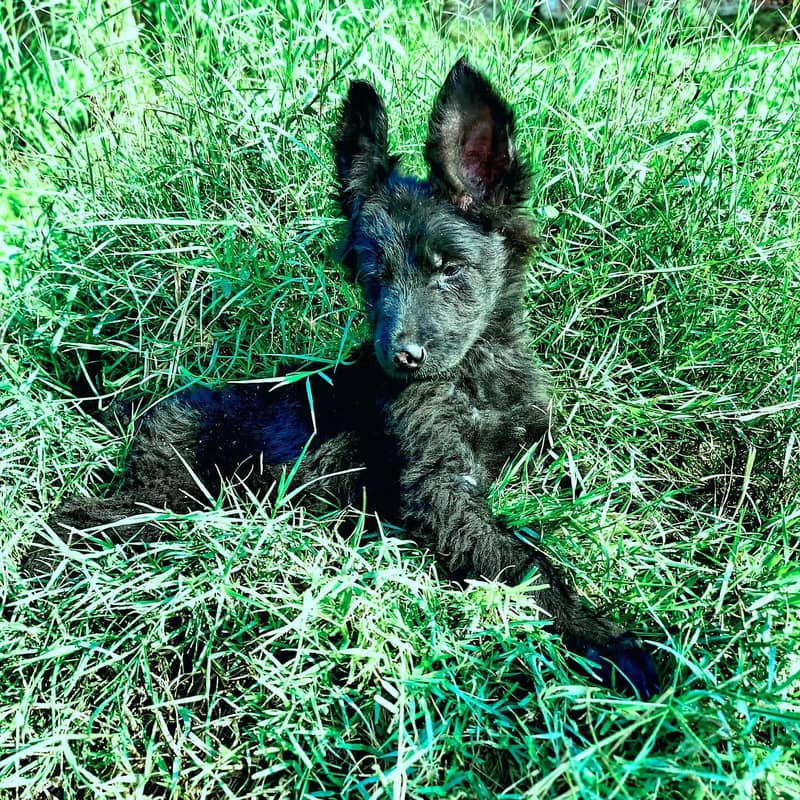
(167, 207)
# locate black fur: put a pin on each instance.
(431, 410)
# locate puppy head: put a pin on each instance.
(439, 259)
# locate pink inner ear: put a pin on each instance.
(476, 152)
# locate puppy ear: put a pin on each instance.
(470, 146)
(360, 145)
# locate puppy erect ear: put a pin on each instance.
(362, 159)
(470, 146)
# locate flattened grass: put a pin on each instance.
(168, 210)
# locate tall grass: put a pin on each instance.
(167, 209)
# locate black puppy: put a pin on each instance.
(425, 417)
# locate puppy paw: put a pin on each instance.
(624, 665)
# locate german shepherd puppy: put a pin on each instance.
(426, 415)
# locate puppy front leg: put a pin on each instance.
(453, 520)
(443, 505)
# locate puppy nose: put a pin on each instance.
(408, 355)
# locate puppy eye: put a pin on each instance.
(451, 268)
